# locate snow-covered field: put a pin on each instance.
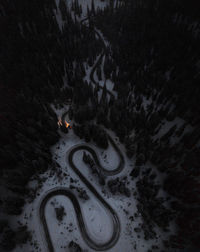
(96, 218)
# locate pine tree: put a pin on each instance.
(92, 8)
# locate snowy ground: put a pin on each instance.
(98, 4)
(96, 218)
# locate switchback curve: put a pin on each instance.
(106, 172)
(92, 244)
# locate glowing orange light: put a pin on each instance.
(67, 124)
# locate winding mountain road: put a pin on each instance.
(69, 194)
(66, 192)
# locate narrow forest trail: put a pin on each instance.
(99, 61)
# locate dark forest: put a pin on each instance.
(82, 78)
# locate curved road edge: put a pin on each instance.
(92, 244)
